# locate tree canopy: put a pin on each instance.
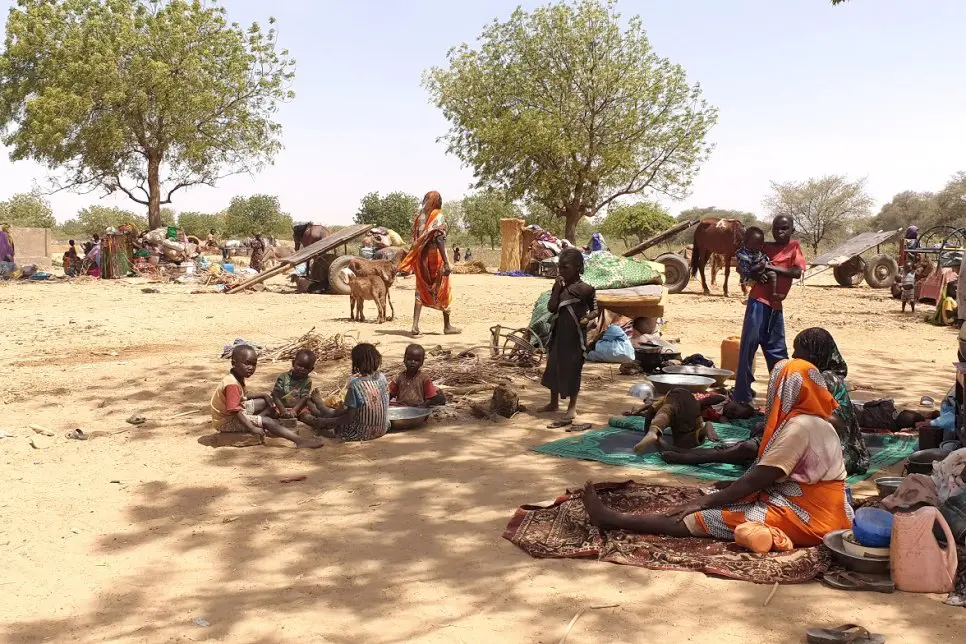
(566, 107)
(640, 220)
(483, 211)
(27, 209)
(820, 206)
(258, 214)
(200, 224)
(97, 219)
(140, 97)
(395, 211)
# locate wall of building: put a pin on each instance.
(32, 245)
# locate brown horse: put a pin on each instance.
(308, 234)
(714, 235)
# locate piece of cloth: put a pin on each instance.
(808, 502)
(565, 358)
(748, 265)
(227, 399)
(914, 488)
(369, 395)
(604, 270)
(763, 327)
(424, 259)
(258, 252)
(290, 390)
(414, 391)
(561, 529)
(757, 537)
(947, 475)
(6, 247)
(788, 255)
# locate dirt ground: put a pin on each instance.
(130, 536)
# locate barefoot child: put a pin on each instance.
(366, 408)
(908, 287)
(681, 413)
(293, 390)
(412, 387)
(573, 301)
(233, 411)
(753, 263)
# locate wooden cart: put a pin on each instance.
(677, 273)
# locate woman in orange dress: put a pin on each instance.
(427, 260)
(797, 485)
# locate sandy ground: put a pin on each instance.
(131, 535)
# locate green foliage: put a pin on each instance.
(905, 209)
(396, 211)
(483, 211)
(28, 210)
(200, 224)
(821, 207)
(112, 93)
(261, 214)
(70, 229)
(951, 202)
(746, 218)
(640, 220)
(569, 106)
(97, 219)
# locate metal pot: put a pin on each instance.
(653, 356)
(833, 541)
(719, 375)
(403, 418)
(921, 462)
(664, 383)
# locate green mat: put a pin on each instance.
(614, 446)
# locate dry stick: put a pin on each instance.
(570, 626)
(774, 590)
(183, 414)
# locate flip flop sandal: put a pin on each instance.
(581, 427)
(557, 424)
(77, 435)
(844, 634)
(847, 580)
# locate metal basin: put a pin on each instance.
(719, 375)
(642, 390)
(887, 485)
(664, 383)
(403, 418)
(833, 541)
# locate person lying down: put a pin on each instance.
(680, 413)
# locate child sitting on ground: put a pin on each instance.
(365, 412)
(292, 394)
(413, 387)
(233, 411)
(680, 412)
(753, 262)
(908, 287)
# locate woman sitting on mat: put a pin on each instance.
(817, 346)
(796, 486)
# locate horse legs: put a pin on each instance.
(715, 266)
(702, 263)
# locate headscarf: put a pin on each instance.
(424, 220)
(796, 388)
(822, 350)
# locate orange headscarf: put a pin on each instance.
(796, 388)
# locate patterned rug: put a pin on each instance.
(562, 530)
(614, 445)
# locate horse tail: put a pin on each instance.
(695, 254)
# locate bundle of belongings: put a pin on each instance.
(382, 243)
(170, 243)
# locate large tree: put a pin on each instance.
(483, 211)
(395, 211)
(138, 96)
(905, 209)
(568, 105)
(27, 209)
(819, 206)
(258, 214)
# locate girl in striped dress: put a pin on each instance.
(365, 413)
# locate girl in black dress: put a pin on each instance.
(573, 301)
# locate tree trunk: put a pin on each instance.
(492, 243)
(154, 192)
(573, 215)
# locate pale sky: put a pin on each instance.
(874, 88)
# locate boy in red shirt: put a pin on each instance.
(764, 324)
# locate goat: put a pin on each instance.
(367, 287)
(381, 268)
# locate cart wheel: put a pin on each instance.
(881, 272)
(336, 284)
(676, 272)
(523, 345)
(850, 273)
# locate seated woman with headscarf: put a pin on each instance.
(796, 487)
(816, 346)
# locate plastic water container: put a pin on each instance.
(729, 354)
(229, 268)
(916, 560)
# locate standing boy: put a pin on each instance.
(764, 324)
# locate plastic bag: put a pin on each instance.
(613, 346)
